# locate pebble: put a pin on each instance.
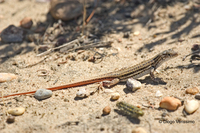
(191, 106)
(4, 77)
(139, 130)
(12, 34)
(108, 91)
(106, 110)
(170, 103)
(192, 91)
(26, 23)
(16, 111)
(115, 96)
(65, 9)
(197, 96)
(83, 92)
(10, 119)
(158, 94)
(133, 84)
(41, 94)
(136, 33)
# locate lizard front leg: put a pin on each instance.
(152, 75)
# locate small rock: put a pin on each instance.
(12, 34)
(191, 106)
(10, 119)
(170, 103)
(108, 91)
(26, 23)
(65, 9)
(138, 130)
(136, 33)
(4, 77)
(41, 94)
(115, 96)
(192, 91)
(19, 99)
(126, 35)
(133, 84)
(106, 110)
(82, 93)
(16, 111)
(197, 96)
(158, 94)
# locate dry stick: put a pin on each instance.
(59, 47)
(92, 14)
(104, 44)
(84, 17)
(191, 54)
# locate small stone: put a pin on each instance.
(136, 33)
(115, 96)
(12, 34)
(106, 110)
(65, 9)
(82, 93)
(26, 23)
(191, 106)
(158, 94)
(197, 96)
(139, 130)
(126, 35)
(133, 84)
(108, 91)
(170, 103)
(192, 91)
(4, 77)
(10, 119)
(41, 94)
(16, 111)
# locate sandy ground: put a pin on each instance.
(173, 27)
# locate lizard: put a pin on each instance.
(110, 79)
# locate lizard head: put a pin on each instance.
(164, 56)
(168, 54)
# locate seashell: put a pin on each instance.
(115, 96)
(82, 93)
(158, 94)
(4, 77)
(170, 103)
(139, 130)
(191, 106)
(192, 91)
(133, 84)
(16, 111)
(41, 94)
(106, 110)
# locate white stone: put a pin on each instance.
(82, 93)
(191, 106)
(158, 94)
(133, 84)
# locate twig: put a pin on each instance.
(197, 51)
(84, 17)
(35, 63)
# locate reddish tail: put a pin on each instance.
(81, 83)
